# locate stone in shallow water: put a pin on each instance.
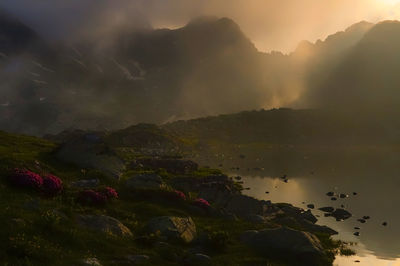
(327, 209)
(341, 214)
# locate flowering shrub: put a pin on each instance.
(91, 197)
(202, 203)
(52, 185)
(179, 195)
(109, 193)
(26, 178)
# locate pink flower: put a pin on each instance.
(52, 185)
(91, 197)
(26, 178)
(110, 193)
(202, 203)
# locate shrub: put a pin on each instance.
(202, 203)
(52, 185)
(109, 193)
(91, 197)
(26, 178)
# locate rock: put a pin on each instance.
(138, 259)
(285, 241)
(334, 198)
(243, 206)
(357, 228)
(105, 224)
(342, 196)
(91, 262)
(330, 194)
(311, 206)
(366, 217)
(174, 166)
(297, 213)
(305, 225)
(327, 209)
(145, 182)
(341, 214)
(82, 151)
(357, 234)
(255, 218)
(174, 228)
(361, 221)
(384, 223)
(86, 183)
(198, 259)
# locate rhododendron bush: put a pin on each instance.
(52, 185)
(202, 203)
(26, 178)
(100, 197)
(49, 184)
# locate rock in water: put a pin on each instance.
(285, 241)
(327, 209)
(105, 224)
(341, 214)
(174, 228)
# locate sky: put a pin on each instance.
(271, 24)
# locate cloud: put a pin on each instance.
(271, 24)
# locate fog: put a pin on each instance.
(272, 25)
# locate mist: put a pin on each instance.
(269, 24)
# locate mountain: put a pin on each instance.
(368, 77)
(208, 67)
(141, 76)
(15, 37)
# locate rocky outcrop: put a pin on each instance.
(89, 151)
(174, 228)
(174, 166)
(105, 224)
(285, 241)
(145, 182)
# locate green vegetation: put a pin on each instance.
(38, 230)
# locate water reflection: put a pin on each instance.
(376, 197)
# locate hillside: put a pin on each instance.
(72, 223)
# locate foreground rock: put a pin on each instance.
(284, 241)
(105, 224)
(174, 228)
(145, 182)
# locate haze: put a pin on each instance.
(270, 24)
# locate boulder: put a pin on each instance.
(284, 241)
(86, 153)
(145, 182)
(105, 224)
(91, 262)
(174, 228)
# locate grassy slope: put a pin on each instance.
(36, 230)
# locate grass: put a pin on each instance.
(37, 230)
